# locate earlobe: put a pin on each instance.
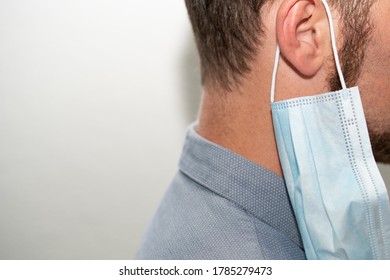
(299, 31)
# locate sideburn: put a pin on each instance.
(357, 32)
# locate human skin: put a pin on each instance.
(374, 81)
(241, 120)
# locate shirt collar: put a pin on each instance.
(254, 188)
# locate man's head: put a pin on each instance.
(234, 37)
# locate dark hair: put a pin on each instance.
(356, 31)
(228, 32)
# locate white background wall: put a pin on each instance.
(95, 96)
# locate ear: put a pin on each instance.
(302, 34)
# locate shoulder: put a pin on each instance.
(193, 222)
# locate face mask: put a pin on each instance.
(337, 193)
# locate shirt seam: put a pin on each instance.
(237, 204)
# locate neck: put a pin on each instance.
(241, 121)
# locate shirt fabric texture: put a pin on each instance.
(222, 206)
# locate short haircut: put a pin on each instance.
(228, 33)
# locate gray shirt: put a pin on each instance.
(222, 206)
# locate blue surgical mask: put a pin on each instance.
(337, 193)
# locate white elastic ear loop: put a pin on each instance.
(273, 83)
(334, 47)
(335, 54)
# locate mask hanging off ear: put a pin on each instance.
(338, 195)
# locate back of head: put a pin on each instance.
(229, 34)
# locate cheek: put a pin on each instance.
(374, 80)
(374, 83)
